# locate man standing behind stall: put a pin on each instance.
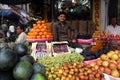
(113, 28)
(62, 29)
(21, 34)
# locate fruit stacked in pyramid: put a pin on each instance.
(39, 31)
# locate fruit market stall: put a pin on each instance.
(72, 66)
(48, 60)
(17, 64)
(63, 64)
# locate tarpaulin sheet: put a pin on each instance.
(5, 12)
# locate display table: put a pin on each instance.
(39, 40)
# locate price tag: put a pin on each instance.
(93, 43)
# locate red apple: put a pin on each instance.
(118, 61)
(97, 75)
(119, 54)
(96, 67)
(101, 68)
(107, 70)
(118, 65)
(99, 62)
(117, 36)
(111, 36)
(112, 65)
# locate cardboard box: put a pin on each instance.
(40, 49)
(60, 48)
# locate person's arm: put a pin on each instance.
(55, 32)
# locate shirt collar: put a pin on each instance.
(115, 25)
(60, 23)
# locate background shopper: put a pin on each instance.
(21, 35)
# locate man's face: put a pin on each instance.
(113, 21)
(19, 30)
(61, 18)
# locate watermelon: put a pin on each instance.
(39, 76)
(6, 75)
(38, 68)
(7, 59)
(21, 49)
(23, 70)
(27, 58)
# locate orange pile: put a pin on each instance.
(39, 31)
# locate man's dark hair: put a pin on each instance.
(61, 13)
(21, 26)
(113, 17)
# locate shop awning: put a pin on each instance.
(15, 2)
(5, 12)
(14, 13)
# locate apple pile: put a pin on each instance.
(97, 35)
(108, 63)
(74, 71)
(115, 37)
(111, 36)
